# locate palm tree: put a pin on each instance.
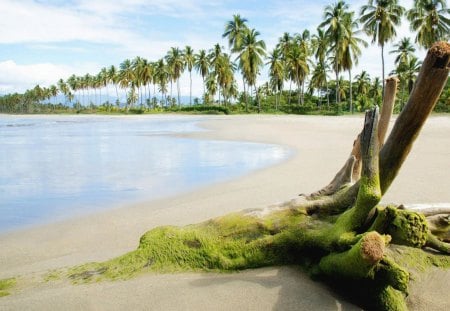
(404, 51)
(251, 57)
(225, 76)
(276, 73)
(407, 72)
(380, 18)
(303, 42)
(139, 67)
(53, 92)
(102, 78)
(145, 73)
(351, 50)
(174, 59)
(86, 85)
(113, 78)
(126, 77)
(211, 86)
(201, 64)
(63, 88)
(284, 45)
(189, 61)
(162, 77)
(214, 59)
(334, 16)
(72, 82)
(375, 91)
(297, 67)
(320, 43)
(362, 88)
(319, 78)
(235, 31)
(428, 18)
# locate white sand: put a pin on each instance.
(320, 146)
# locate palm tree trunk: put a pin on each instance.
(219, 94)
(351, 95)
(117, 94)
(303, 92)
(245, 94)
(382, 68)
(289, 94)
(328, 94)
(320, 96)
(190, 87)
(338, 97)
(277, 98)
(204, 91)
(178, 90)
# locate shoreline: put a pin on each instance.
(320, 146)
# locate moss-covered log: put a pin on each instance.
(341, 234)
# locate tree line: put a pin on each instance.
(304, 59)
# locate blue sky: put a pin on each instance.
(44, 40)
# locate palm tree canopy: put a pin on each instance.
(404, 51)
(201, 63)
(320, 43)
(189, 58)
(174, 59)
(234, 31)
(430, 19)
(380, 18)
(276, 65)
(351, 43)
(251, 56)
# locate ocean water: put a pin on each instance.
(54, 167)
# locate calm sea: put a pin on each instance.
(54, 167)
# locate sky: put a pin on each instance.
(42, 41)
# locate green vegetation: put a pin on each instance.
(5, 285)
(232, 242)
(304, 59)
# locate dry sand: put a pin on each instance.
(320, 145)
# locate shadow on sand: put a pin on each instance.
(287, 288)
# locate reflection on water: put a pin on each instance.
(56, 166)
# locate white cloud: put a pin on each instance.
(18, 78)
(28, 21)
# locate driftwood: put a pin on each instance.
(339, 233)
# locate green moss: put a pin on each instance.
(418, 259)
(53, 275)
(227, 243)
(408, 228)
(6, 285)
(390, 299)
(390, 273)
(358, 262)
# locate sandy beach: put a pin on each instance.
(319, 145)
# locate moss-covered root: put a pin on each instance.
(435, 243)
(359, 261)
(390, 273)
(389, 299)
(405, 227)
